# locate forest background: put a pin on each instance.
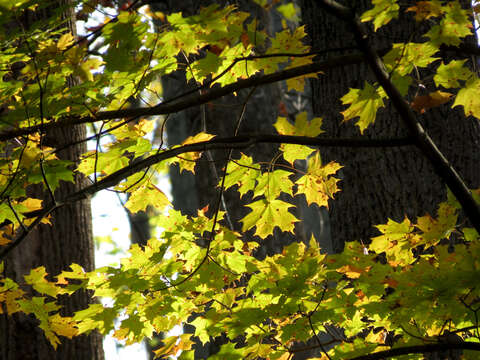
(368, 111)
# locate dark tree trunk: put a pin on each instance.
(383, 183)
(192, 192)
(68, 240)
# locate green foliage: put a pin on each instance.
(407, 284)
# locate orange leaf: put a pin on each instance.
(422, 103)
(391, 282)
(352, 272)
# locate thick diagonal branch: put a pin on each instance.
(422, 140)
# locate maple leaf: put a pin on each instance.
(468, 97)
(351, 271)
(437, 229)
(301, 127)
(267, 215)
(145, 195)
(10, 293)
(54, 171)
(317, 183)
(449, 74)
(187, 161)
(96, 316)
(364, 104)
(293, 152)
(422, 103)
(272, 183)
(37, 278)
(41, 309)
(242, 172)
(382, 12)
(397, 241)
(425, 10)
(64, 326)
(173, 344)
(455, 24)
(403, 58)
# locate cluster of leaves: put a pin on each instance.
(266, 308)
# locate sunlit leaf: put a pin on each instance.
(318, 184)
(364, 103)
(382, 13)
(267, 215)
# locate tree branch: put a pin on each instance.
(418, 349)
(191, 99)
(186, 101)
(422, 140)
(234, 142)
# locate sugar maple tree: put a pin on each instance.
(404, 293)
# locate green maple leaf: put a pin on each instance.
(455, 25)
(289, 11)
(204, 67)
(201, 328)
(301, 127)
(292, 152)
(266, 215)
(382, 12)
(272, 183)
(54, 170)
(364, 104)
(403, 58)
(243, 173)
(145, 195)
(37, 278)
(396, 240)
(96, 316)
(437, 229)
(449, 75)
(134, 329)
(318, 184)
(468, 97)
(288, 41)
(41, 309)
(228, 351)
(105, 162)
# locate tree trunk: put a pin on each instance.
(382, 183)
(192, 192)
(68, 240)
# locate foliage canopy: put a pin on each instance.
(265, 307)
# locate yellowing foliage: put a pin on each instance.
(415, 283)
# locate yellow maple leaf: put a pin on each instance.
(188, 160)
(318, 184)
(64, 326)
(65, 41)
(351, 271)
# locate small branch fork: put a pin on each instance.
(419, 135)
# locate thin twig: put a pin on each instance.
(16, 215)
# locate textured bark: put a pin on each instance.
(68, 240)
(383, 183)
